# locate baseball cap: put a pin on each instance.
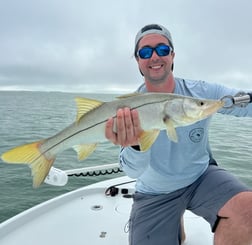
(153, 29)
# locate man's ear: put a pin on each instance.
(173, 55)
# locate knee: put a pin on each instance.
(239, 209)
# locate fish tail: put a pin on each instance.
(30, 154)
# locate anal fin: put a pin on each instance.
(84, 151)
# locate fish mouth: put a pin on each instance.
(213, 109)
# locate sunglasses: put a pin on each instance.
(161, 50)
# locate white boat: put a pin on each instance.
(97, 214)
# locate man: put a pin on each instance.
(172, 177)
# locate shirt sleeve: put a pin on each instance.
(133, 162)
(217, 91)
(220, 91)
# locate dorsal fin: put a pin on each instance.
(85, 105)
(124, 96)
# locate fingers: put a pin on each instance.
(109, 133)
(127, 127)
(136, 123)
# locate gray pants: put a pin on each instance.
(155, 219)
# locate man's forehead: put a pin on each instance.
(152, 39)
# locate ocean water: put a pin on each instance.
(31, 116)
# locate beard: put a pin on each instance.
(158, 78)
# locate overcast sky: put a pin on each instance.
(80, 45)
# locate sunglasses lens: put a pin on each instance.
(163, 50)
(145, 53)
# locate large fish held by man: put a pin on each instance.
(157, 111)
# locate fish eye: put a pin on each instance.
(201, 103)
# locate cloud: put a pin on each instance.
(88, 45)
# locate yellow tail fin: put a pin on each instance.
(30, 154)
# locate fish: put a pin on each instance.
(157, 111)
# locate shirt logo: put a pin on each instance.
(196, 135)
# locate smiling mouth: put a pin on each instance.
(156, 67)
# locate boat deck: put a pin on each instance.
(87, 216)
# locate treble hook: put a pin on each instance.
(241, 99)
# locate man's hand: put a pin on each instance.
(128, 128)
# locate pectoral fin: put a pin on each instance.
(84, 151)
(171, 131)
(147, 138)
